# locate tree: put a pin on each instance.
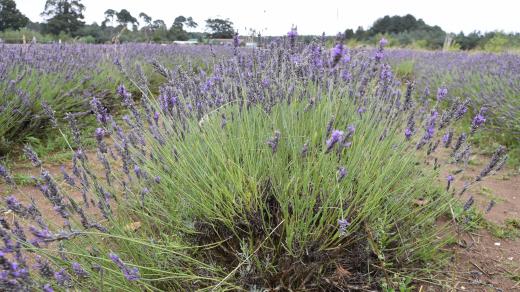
(148, 24)
(191, 23)
(160, 30)
(360, 33)
(349, 33)
(109, 17)
(395, 24)
(124, 18)
(497, 43)
(159, 24)
(470, 41)
(177, 31)
(64, 16)
(179, 22)
(220, 28)
(94, 32)
(146, 19)
(10, 16)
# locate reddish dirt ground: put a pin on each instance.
(481, 261)
(25, 192)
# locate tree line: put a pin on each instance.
(64, 20)
(408, 31)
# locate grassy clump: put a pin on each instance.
(231, 212)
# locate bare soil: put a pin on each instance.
(481, 261)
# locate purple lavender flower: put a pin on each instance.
(100, 133)
(386, 74)
(99, 110)
(67, 177)
(14, 205)
(343, 224)
(292, 35)
(478, 120)
(379, 53)
(336, 54)
(50, 191)
(494, 163)
(408, 133)
(490, 206)
(79, 271)
(430, 130)
(334, 138)
(442, 92)
(44, 268)
(62, 278)
(346, 76)
(469, 203)
(131, 274)
(144, 192)
(122, 92)
(330, 123)
(137, 171)
(236, 41)
(342, 172)
(446, 138)
(74, 128)
(4, 173)
(47, 288)
(32, 156)
(460, 141)
(43, 234)
(273, 142)
(156, 117)
(305, 149)
(408, 102)
(449, 179)
(223, 121)
(50, 114)
(461, 109)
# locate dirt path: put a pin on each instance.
(26, 190)
(482, 261)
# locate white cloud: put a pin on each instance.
(275, 17)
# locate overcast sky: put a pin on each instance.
(275, 17)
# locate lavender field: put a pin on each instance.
(286, 167)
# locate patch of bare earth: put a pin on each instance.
(481, 261)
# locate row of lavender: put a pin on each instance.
(489, 80)
(65, 77)
(272, 168)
